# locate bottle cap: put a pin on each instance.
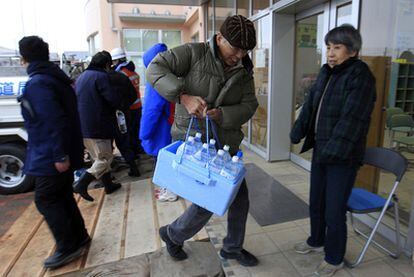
(226, 148)
(239, 154)
(190, 139)
(212, 141)
(220, 152)
(205, 145)
(235, 159)
(198, 135)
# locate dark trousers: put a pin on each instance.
(195, 218)
(123, 143)
(54, 200)
(133, 131)
(330, 188)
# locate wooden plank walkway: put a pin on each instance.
(123, 224)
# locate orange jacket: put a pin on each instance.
(134, 78)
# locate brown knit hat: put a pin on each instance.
(239, 32)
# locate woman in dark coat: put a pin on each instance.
(335, 121)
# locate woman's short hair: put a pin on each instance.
(33, 48)
(347, 35)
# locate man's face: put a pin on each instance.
(230, 55)
(337, 54)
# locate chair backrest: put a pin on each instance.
(386, 159)
(392, 111)
(401, 120)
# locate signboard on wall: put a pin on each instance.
(306, 35)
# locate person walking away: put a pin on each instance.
(126, 91)
(97, 104)
(155, 131)
(213, 78)
(121, 64)
(335, 121)
(54, 149)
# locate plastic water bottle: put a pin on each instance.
(231, 169)
(240, 155)
(226, 156)
(189, 148)
(212, 148)
(120, 118)
(217, 163)
(201, 156)
(197, 141)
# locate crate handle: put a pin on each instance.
(200, 178)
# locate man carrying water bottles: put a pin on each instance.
(214, 79)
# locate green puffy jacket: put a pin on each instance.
(197, 69)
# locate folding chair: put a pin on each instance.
(401, 123)
(362, 201)
(392, 111)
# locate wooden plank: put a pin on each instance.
(106, 243)
(140, 231)
(155, 215)
(90, 212)
(202, 235)
(168, 212)
(124, 223)
(15, 240)
(30, 263)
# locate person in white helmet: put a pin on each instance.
(121, 64)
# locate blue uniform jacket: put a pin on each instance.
(155, 131)
(51, 119)
(97, 103)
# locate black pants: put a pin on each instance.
(330, 188)
(123, 142)
(133, 131)
(54, 200)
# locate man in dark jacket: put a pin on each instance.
(54, 148)
(127, 94)
(122, 65)
(335, 120)
(216, 79)
(97, 103)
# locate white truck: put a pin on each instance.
(13, 136)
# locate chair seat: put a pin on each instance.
(405, 140)
(363, 201)
(402, 129)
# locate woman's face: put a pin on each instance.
(337, 54)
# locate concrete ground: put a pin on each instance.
(273, 244)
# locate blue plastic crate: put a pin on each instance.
(208, 190)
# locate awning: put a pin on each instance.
(136, 17)
(163, 2)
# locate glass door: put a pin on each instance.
(310, 54)
(256, 130)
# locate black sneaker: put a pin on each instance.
(176, 251)
(243, 257)
(59, 259)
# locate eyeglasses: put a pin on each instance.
(237, 50)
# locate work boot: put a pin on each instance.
(110, 187)
(133, 169)
(81, 186)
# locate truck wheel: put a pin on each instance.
(12, 179)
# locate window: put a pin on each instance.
(171, 38)
(137, 41)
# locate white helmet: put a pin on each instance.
(118, 53)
